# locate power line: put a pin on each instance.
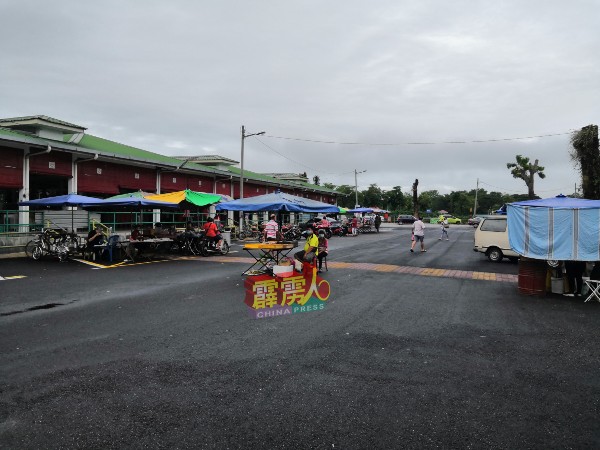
(475, 141)
(512, 190)
(302, 164)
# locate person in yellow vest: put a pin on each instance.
(311, 246)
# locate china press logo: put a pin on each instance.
(268, 296)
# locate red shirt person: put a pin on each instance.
(211, 231)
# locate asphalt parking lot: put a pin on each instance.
(413, 351)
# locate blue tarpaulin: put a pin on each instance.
(277, 201)
(560, 228)
(360, 210)
(63, 200)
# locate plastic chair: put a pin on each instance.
(594, 286)
(112, 243)
(324, 260)
(307, 266)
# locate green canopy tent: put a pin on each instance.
(189, 197)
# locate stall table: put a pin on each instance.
(266, 255)
(148, 248)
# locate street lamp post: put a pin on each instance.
(244, 136)
(356, 187)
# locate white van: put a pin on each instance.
(491, 238)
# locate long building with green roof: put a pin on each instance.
(42, 156)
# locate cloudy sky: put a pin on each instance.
(181, 78)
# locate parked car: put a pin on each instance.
(474, 221)
(491, 238)
(453, 220)
(402, 219)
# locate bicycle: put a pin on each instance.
(50, 242)
(252, 232)
(188, 242)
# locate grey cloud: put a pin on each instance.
(182, 77)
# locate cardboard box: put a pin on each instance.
(283, 271)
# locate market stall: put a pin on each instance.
(553, 229)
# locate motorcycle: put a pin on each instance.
(208, 247)
(341, 230)
(328, 232)
(291, 233)
(188, 242)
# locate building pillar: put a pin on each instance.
(156, 212)
(24, 193)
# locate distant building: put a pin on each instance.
(300, 177)
(210, 161)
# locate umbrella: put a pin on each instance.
(225, 198)
(193, 197)
(343, 210)
(137, 201)
(277, 201)
(139, 193)
(360, 210)
(64, 200)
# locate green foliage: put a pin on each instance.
(373, 196)
(394, 199)
(458, 203)
(347, 198)
(586, 155)
(526, 171)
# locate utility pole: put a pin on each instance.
(244, 136)
(475, 206)
(356, 187)
(415, 198)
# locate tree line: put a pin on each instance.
(585, 154)
(459, 203)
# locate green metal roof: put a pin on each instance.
(21, 136)
(93, 144)
(121, 150)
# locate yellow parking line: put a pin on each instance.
(121, 264)
(13, 277)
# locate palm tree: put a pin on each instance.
(526, 171)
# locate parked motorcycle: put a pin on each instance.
(341, 230)
(291, 232)
(327, 230)
(188, 242)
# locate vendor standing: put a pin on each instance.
(271, 232)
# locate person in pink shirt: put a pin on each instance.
(323, 249)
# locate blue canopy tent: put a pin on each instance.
(62, 201)
(134, 202)
(559, 228)
(277, 201)
(360, 210)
